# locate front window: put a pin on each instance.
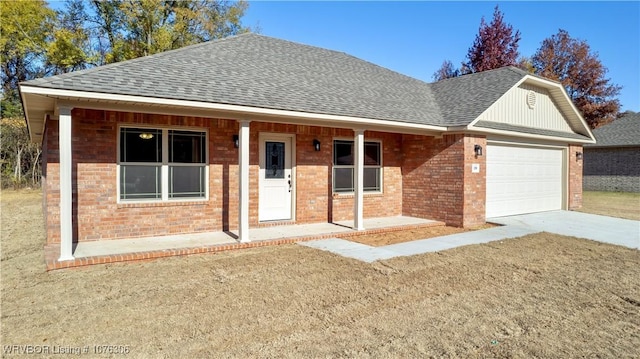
(187, 152)
(146, 153)
(343, 167)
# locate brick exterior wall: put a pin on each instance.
(389, 202)
(475, 185)
(612, 169)
(575, 178)
(97, 215)
(437, 179)
(423, 176)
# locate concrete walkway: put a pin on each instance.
(600, 228)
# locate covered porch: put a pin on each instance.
(146, 248)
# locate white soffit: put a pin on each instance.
(53, 97)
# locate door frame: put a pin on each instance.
(276, 136)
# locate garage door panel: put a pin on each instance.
(523, 180)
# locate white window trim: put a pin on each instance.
(333, 177)
(164, 167)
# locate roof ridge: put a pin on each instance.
(99, 68)
(345, 54)
(480, 73)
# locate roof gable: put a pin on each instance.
(462, 99)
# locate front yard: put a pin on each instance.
(614, 204)
(537, 296)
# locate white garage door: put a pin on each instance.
(523, 179)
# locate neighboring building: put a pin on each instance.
(613, 162)
(253, 131)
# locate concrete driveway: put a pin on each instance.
(623, 232)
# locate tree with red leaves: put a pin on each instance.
(571, 62)
(495, 46)
(446, 71)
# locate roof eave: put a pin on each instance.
(492, 131)
(612, 146)
(218, 110)
(23, 102)
(34, 113)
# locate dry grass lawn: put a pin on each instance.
(614, 204)
(537, 296)
(383, 239)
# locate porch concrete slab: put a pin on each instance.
(195, 240)
(146, 244)
(622, 232)
(295, 230)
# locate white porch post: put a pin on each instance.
(66, 194)
(243, 190)
(358, 172)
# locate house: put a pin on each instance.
(252, 131)
(613, 163)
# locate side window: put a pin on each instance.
(372, 167)
(343, 167)
(187, 167)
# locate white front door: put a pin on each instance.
(276, 180)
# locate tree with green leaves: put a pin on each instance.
(19, 157)
(134, 28)
(70, 49)
(26, 28)
(571, 62)
(37, 41)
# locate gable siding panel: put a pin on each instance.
(512, 109)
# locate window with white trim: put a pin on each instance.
(162, 164)
(343, 166)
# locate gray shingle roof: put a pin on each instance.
(462, 99)
(259, 71)
(624, 131)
